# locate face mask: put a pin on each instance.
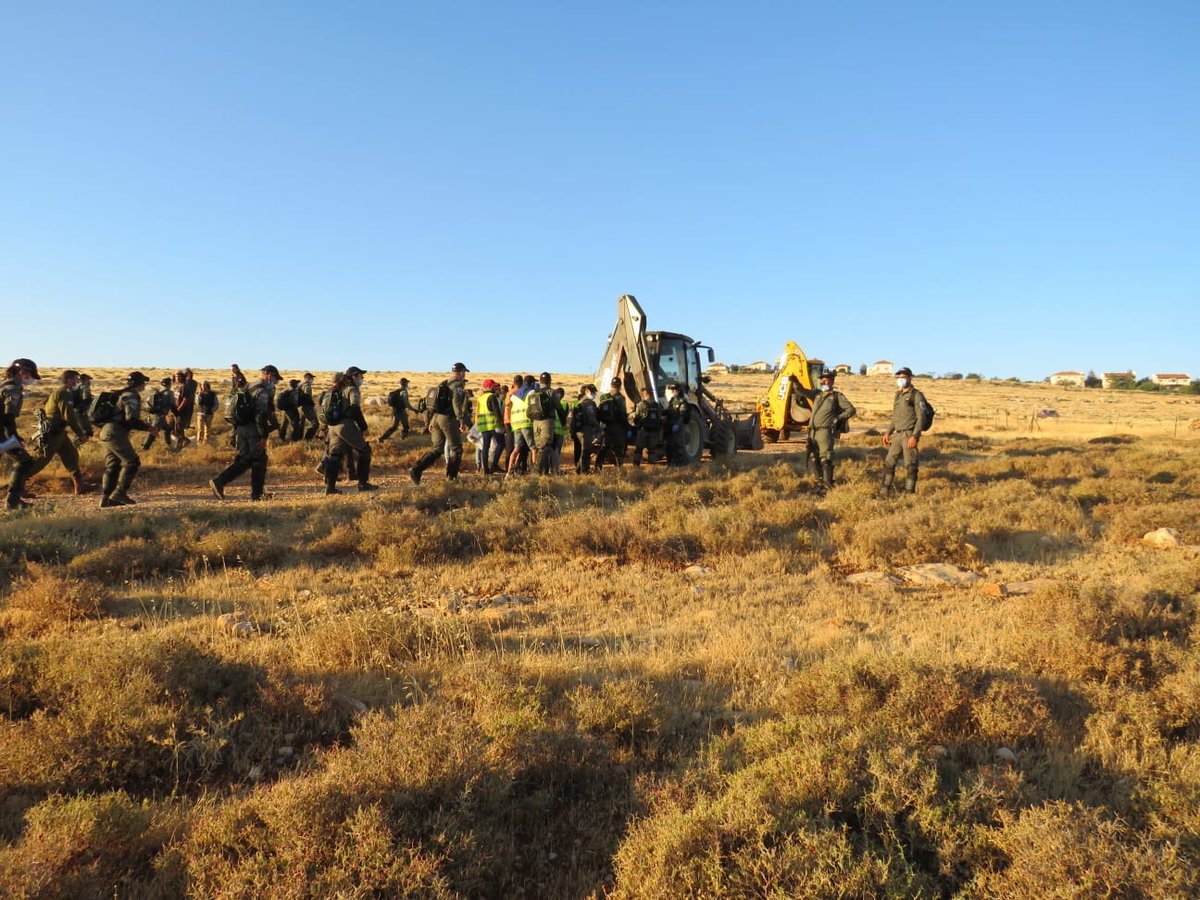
(26, 381)
(825, 388)
(902, 383)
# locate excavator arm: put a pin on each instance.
(787, 406)
(627, 356)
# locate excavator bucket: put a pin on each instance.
(748, 433)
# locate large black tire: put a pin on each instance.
(692, 442)
(724, 440)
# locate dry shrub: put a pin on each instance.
(95, 846)
(53, 597)
(626, 711)
(229, 547)
(125, 559)
(1124, 522)
(1070, 850)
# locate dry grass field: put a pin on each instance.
(699, 682)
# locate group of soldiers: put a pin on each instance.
(515, 429)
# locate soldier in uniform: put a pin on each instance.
(904, 434)
(162, 398)
(614, 414)
(17, 377)
(185, 406)
(347, 436)
(584, 424)
(648, 420)
(83, 399)
(58, 415)
(451, 417)
(308, 406)
(121, 461)
(401, 406)
(206, 405)
(679, 413)
(288, 402)
(831, 414)
(543, 427)
(250, 439)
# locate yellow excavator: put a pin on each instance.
(787, 407)
(654, 359)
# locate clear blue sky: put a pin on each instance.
(1008, 188)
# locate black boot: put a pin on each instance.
(885, 488)
(258, 482)
(827, 472)
(910, 482)
(364, 474)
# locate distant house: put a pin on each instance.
(1174, 379)
(717, 368)
(843, 369)
(1068, 379)
(759, 367)
(881, 367)
(1111, 379)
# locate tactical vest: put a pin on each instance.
(485, 419)
(520, 419)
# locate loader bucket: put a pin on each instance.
(746, 430)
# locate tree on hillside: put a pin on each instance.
(953, 376)
(1093, 380)
(1193, 388)
(974, 376)
(1122, 382)
(1145, 384)
(862, 370)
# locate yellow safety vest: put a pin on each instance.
(560, 425)
(520, 418)
(485, 420)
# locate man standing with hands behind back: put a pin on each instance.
(904, 434)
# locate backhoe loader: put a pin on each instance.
(787, 407)
(654, 359)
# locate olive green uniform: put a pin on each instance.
(61, 414)
(543, 430)
(648, 417)
(830, 413)
(616, 431)
(121, 462)
(401, 406)
(445, 432)
(679, 413)
(584, 425)
(249, 441)
(347, 439)
(12, 398)
(907, 408)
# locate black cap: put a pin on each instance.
(544, 378)
(136, 378)
(616, 382)
(309, 375)
(293, 382)
(459, 367)
(270, 370)
(165, 382)
(905, 370)
(827, 373)
(404, 381)
(29, 366)
(355, 370)
(84, 376)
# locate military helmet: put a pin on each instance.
(29, 366)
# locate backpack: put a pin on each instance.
(393, 399)
(240, 408)
(156, 405)
(442, 400)
(287, 400)
(606, 409)
(104, 408)
(331, 407)
(538, 406)
(652, 420)
(925, 411)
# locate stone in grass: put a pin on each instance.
(694, 571)
(1006, 756)
(934, 574)
(872, 578)
(1162, 538)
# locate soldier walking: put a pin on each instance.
(20, 375)
(308, 406)
(401, 406)
(450, 418)
(185, 406)
(251, 411)
(160, 412)
(831, 415)
(121, 462)
(904, 433)
(57, 416)
(287, 402)
(347, 433)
